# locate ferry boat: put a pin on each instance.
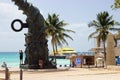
(63, 53)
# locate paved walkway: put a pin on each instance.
(71, 74)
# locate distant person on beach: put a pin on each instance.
(21, 56)
(4, 64)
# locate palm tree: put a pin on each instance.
(55, 29)
(116, 4)
(103, 25)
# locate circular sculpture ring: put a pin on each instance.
(12, 25)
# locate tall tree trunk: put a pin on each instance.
(105, 65)
(54, 54)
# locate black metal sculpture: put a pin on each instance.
(23, 25)
(36, 43)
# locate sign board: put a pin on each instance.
(77, 61)
(118, 61)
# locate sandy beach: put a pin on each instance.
(111, 73)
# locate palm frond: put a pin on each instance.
(94, 24)
(55, 29)
(92, 35)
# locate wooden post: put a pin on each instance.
(88, 64)
(95, 63)
(6, 73)
(21, 74)
(81, 61)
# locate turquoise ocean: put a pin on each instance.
(12, 59)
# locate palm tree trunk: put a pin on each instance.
(105, 65)
(54, 53)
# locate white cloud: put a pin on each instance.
(78, 25)
(5, 7)
(15, 41)
(8, 13)
(80, 28)
(11, 35)
(11, 41)
(9, 10)
(80, 37)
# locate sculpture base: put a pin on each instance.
(33, 67)
(26, 66)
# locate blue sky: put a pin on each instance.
(77, 13)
